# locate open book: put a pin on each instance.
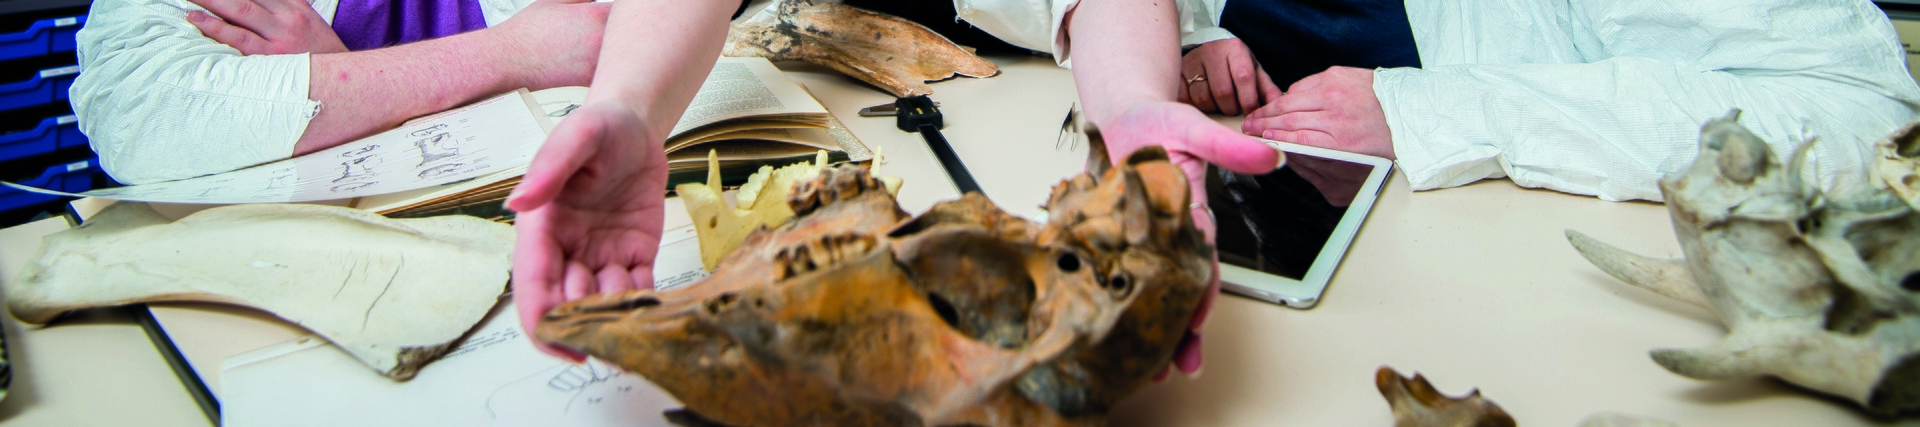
(747, 111)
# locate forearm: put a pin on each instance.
(365, 92)
(667, 50)
(1124, 52)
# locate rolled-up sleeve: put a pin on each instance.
(159, 101)
(1604, 100)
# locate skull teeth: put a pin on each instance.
(819, 254)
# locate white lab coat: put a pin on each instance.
(1604, 97)
(161, 102)
(158, 101)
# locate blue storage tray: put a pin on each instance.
(44, 37)
(72, 178)
(53, 133)
(46, 87)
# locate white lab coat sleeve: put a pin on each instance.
(1612, 127)
(1200, 22)
(158, 101)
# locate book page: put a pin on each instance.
(480, 139)
(742, 87)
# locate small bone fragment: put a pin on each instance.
(395, 294)
(1417, 404)
(895, 54)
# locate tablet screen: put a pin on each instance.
(1278, 222)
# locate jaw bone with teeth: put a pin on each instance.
(856, 314)
(892, 53)
(1811, 289)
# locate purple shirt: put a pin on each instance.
(372, 24)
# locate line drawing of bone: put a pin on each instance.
(436, 147)
(363, 164)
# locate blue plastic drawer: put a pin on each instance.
(44, 88)
(72, 178)
(51, 134)
(44, 37)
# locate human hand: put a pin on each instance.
(1333, 109)
(265, 27)
(1191, 140)
(1230, 81)
(591, 209)
(553, 43)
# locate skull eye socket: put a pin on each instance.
(1119, 284)
(1068, 262)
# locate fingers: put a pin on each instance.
(1291, 121)
(1220, 80)
(1198, 93)
(534, 277)
(578, 282)
(1303, 137)
(233, 10)
(221, 31)
(1241, 66)
(1231, 150)
(1202, 95)
(566, 150)
(1188, 358)
(1269, 92)
(613, 279)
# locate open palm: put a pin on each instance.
(590, 212)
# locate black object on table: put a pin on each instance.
(919, 114)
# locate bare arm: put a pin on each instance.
(675, 46)
(551, 43)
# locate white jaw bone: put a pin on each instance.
(393, 293)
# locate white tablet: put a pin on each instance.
(1282, 234)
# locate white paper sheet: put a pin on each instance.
(472, 141)
(495, 377)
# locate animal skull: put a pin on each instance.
(1817, 292)
(856, 314)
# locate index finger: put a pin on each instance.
(242, 11)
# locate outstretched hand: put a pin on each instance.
(1192, 141)
(590, 212)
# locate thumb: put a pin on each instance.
(565, 151)
(1232, 150)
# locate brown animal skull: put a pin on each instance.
(856, 314)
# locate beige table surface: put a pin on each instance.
(1473, 286)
